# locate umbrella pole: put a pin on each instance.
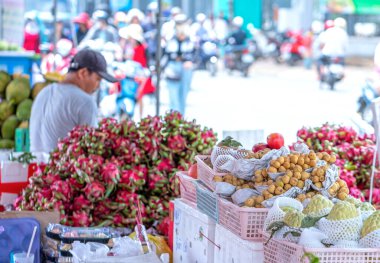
(158, 57)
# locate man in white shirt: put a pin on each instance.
(333, 43)
(60, 107)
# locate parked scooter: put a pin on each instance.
(332, 71)
(209, 57)
(60, 61)
(291, 50)
(239, 58)
(369, 93)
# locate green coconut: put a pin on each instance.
(5, 79)
(9, 127)
(6, 110)
(18, 90)
(24, 109)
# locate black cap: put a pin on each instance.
(94, 61)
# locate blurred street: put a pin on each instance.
(274, 97)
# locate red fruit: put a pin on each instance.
(81, 219)
(259, 147)
(275, 141)
(193, 171)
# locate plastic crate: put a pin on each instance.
(207, 201)
(194, 235)
(246, 222)
(206, 173)
(18, 62)
(231, 248)
(276, 251)
(187, 186)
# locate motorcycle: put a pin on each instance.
(332, 71)
(239, 58)
(209, 56)
(369, 93)
(291, 49)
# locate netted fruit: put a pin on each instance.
(294, 218)
(342, 211)
(318, 206)
(353, 200)
(287, 208)
(366, 207)
(371, 224)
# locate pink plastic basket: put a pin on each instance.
(206, 173)
(276, 251)
(187, 187)
(246, 222)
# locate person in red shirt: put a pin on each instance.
(31, 36)
(135, 49)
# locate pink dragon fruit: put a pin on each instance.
(81, 203)
(95, 191)
(81, 219)
(61, 190)
(110, 173)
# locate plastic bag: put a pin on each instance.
(312, 237)
(126, 246)
(160, 245)
(224, 189)
(292, 193)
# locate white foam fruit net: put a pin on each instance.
(366, 214)
(341, 230)
(276, 214)
(312, 237)
(372, 240)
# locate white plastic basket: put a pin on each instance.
(231, 248)
(194, 235)
(276, 251)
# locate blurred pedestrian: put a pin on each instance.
(150, 31)
(60, 32)
(101, 31)
(31, 35)
(83, 25)
(168, 27)
(333, 42)
(178, 71)
(133, 36)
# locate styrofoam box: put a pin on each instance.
(189, 245)
(233, 249)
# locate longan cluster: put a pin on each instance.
(258, 155)
(293, 162)
(339, 189)
(239, 183)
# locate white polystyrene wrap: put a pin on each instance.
(276, 214)
(240, 196)
(340, 230)
(312, 237)
(289, 237)
(224, 189)
(292, 193)
(372, 240)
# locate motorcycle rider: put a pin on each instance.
(333, 43)
(238, 35)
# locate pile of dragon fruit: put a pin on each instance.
(355, 155)
(97, 176)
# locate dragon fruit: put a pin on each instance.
(105, 175)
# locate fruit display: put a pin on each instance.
(299, 175)
(99, 176)
(354, 154)
(341, 222)
(5, 46)
(16, 105)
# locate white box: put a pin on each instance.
(191, 227)
(233, 249)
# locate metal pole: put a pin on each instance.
(158, 57)
(54, 31)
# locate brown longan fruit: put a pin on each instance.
(281, 160)
(305, 176)
(294, 159)
(271, 188)
(286, 165)
(259, 199)
(313, 163)
(312, 155)
(285, 179)
(342, 196)
(279, 191)
(297, 175)
(322, 178)
(301, 161)
(320, 155)
(298, 168)
(318, 185)
(300, 184)
(276, 164)
(292, 165)
(307, 160)
(287, 187)
(218, 178)
(293, 181)
(250, 202)
(272, 170)
(315, 179)
(282, 169)
(305, 166)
